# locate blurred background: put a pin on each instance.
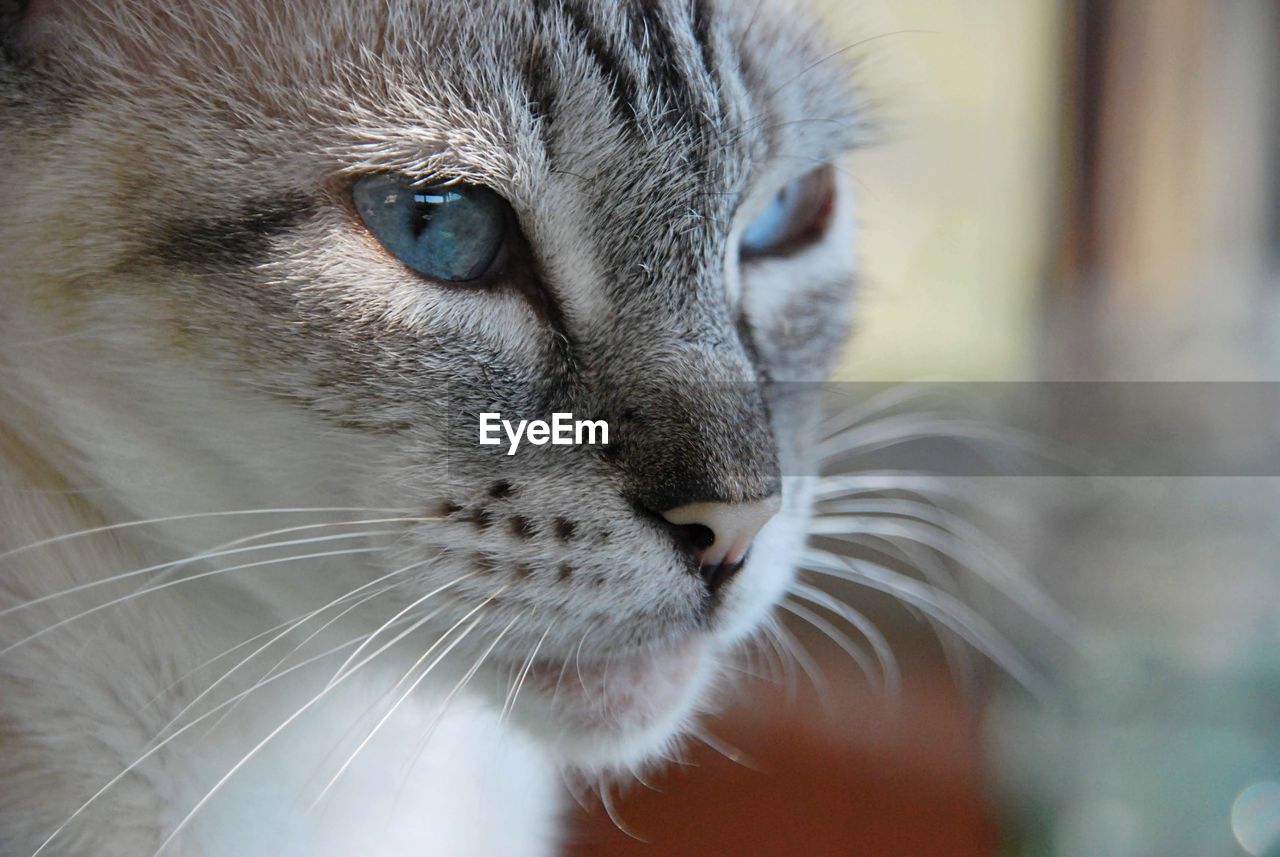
(1062, 193)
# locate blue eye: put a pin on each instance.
(797, 217)
(450, 232)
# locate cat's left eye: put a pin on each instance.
(451, 232)
(797, 217)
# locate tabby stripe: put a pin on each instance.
(235, 241)
(704, 36)
(541, 89)
(621, 83)
(665, 66)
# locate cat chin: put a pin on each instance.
(604, 717)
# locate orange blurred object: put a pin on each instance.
(874, 784)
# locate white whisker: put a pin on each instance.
(953, 613)
(64, 622)
(416, 682)
(509, 704)
(337, 601)
(770, 633)
(607, 802)
(444, 707)
(956, 651)
(564, 667)
(879, 482)
(900, 429)
(733, 754)
(108, 528)
(218, 552)
(861, 412)
(837, 636)
(288, 624)
(889, 670)
(244, 760)
(995, 570)
(800, 655)
(407, 609)
(178, 733)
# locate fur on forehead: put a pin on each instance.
(391, 63)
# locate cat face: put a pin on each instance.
(663, 244)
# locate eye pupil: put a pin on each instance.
(454, 233)
(425, 209)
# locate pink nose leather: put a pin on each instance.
(733, 526)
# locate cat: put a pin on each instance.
(262, 267)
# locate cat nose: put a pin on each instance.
(721, 533)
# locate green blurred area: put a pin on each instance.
(955, 197)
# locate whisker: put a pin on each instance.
(899, 429)
(639, 778)
(275, 668)
(838, 637)
(889, 670)
(64, 622)
(244, 760)
(215, 553)
(330, 622)
(577, 662)
(281, 630)
(574, 788)
(956, 651)
(994, 570)
(152, 751)
(953, 613)
(564, 667)
(416, 682)
(346, 611)
(984, 438)
(769, 633)
(930, 513)
(108, 528)
(509, 704)
(444, 707)
(882, 402)
(412, 606)
(415, 623)
(288, 624)
(808, 666)
(724, 748)
(675, 760)
(749, 672)
(879, 482)
(607, 802)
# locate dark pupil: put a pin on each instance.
(427, 205)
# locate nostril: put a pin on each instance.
(696, 540)
(720, 534)
(696, 537)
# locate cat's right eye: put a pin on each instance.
(449, 232)
(797, 217)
